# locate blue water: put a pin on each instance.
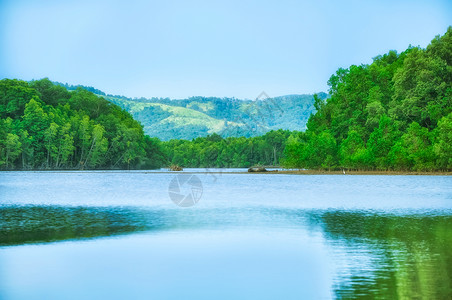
(118, 235)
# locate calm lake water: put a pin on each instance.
(119, 235)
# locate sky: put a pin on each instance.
(179, 49)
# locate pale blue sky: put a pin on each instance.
(235, 48)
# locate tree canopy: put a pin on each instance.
(394, 114)
(45, 126)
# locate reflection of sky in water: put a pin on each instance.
(226, 190)
(250, 236)
(175, 265)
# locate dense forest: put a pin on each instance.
(45, 126)
(219, 152)
(392, 114)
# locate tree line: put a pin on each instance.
(392, 114)
(230, 152)
(45, 126)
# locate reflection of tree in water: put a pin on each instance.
(36, 224)
(31, 224)
(411, 256)
(386, 256)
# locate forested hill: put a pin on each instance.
(395, 113)
(45, 126)
(200, 116)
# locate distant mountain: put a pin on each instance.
(200, 116)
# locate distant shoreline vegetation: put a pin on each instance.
(392, 115)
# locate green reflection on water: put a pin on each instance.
(35, 224)
(411, 256)
(381, 255)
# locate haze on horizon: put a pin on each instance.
(179, 49)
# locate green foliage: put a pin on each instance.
(201, 116)
(380, 142)
(12, 148)
(215, 151)
(443, 145)
(394, 114)
(352, 151)
(14, 94)
(44, 126)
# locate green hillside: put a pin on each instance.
(167, 121)
(393, 114)
(201, 116)
(194, 117)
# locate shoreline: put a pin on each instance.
(275, 172)
(340, 172)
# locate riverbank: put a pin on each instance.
(309, 172)
(201, 171)
(324, 172)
